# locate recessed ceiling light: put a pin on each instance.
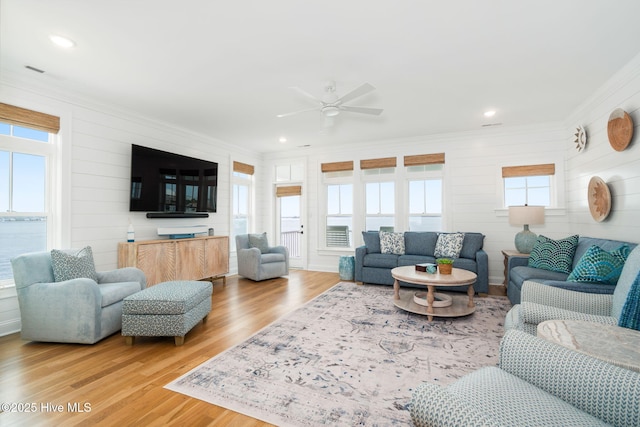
(490, 113)
(62, 41)
(282, 140)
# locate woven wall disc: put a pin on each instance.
(620, 129)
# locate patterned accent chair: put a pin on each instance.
(76, 310)
(537, 383)
(541, 302)
(259, 261)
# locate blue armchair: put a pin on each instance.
(537, 383)
(80, 310)
(259, 261)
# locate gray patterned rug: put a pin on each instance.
(349, 357)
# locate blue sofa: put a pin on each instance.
(372, 266)
(518, 271)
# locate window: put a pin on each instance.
(425, 174)
(425, 205)
(25, 159)
(241, 199)
(527, 190)
(339, 214)
(528, 185)
(380, 205)
(338, 184)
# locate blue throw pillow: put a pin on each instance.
(554, 255)
(630, 317)
(259, 241)
(600, 266)
(372, 241)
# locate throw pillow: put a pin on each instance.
(598, 265)
(449, 245)
(553, 255)
(259, 241)
(67, 266)
(371, 241)
(392, 243)
(630, 317)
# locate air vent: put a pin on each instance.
(304, 146)
(491, 124)
(37, 70)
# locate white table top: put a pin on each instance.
(613, 344)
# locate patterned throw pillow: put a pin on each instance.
(391, 243)
(449, 245)
(598, 265)
(259, 241)
(554, 255)
(630, 316)
(68, 266)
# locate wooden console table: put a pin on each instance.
(197, 258)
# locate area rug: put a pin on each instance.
(349, 357)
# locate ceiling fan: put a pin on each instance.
(331, 105)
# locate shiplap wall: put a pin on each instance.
(95, 149)
(473, 183)
(620, 170)
(95, 173)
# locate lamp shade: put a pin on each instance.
(526, 215)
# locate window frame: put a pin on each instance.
(48, 150)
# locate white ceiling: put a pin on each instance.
(224, 69)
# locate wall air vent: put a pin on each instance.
(491, 124)
(37, 70)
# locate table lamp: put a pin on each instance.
(526, 215)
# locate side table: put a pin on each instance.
(508, 254)
(611, 343)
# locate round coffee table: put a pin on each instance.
(461, 305)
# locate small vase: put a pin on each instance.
(445, 268)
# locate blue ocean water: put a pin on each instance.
(18, 236)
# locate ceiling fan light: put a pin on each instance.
(330, 111)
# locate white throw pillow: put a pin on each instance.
(391, 243)
(449, 245)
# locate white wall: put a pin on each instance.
(95, 144)
(95, 175)
(473, 182)
(620, 170)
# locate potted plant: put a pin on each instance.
(444, 265)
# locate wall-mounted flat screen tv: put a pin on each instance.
(170, 183)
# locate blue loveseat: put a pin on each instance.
(372, 266)
(518, 271)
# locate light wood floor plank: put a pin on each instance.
(124, 385)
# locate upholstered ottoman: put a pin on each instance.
(166, 309)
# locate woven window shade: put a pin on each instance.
(243, 168)
(337, 166)
(424, 159)
(29, 119)
(289, 190)
(529, 170)
(387, 162)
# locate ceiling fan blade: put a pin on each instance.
(297, 112)
(363, 110)
(305, 94)
(357, 92)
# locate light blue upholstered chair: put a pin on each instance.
(540, 302)
(537, 383)
(259, 261)
(80, 310)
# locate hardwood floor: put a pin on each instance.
(123, 385)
